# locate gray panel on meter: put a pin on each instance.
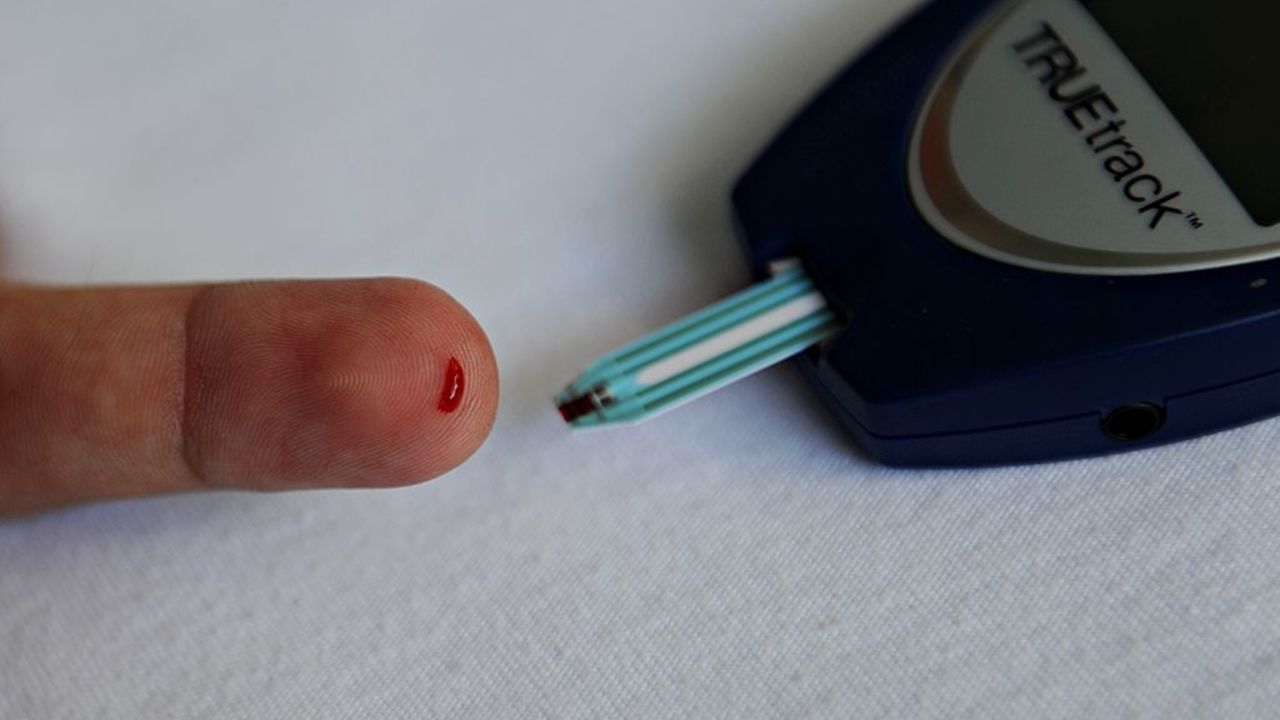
(1043, 146)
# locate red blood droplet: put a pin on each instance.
(455, 384)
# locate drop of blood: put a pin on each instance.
(455, 385)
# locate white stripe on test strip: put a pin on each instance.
(732, 338)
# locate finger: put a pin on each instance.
(110, 393)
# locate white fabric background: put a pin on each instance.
(562, 167)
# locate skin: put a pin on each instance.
(125, 392)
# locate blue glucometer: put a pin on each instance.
(1052, 226)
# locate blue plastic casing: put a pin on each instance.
(953, 359)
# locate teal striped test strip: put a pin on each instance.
(741, 335)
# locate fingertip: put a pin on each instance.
(374, 383)
(460, 383)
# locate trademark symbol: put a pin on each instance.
(1193, 219)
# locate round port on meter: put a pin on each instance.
(1135, 422)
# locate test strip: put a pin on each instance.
(732, 339)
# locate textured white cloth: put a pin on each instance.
(562, 167)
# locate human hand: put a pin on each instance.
(122, 392)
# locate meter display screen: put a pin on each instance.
(1215, 66)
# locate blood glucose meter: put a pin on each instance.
(1051, 227)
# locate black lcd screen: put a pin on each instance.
(1216, 65)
